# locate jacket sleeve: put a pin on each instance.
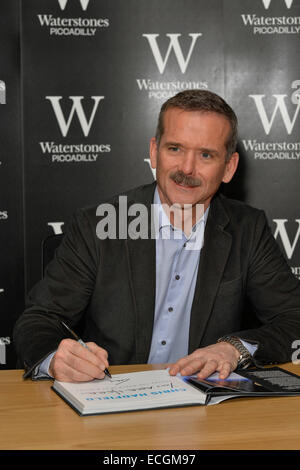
(62, 294)
(274, 294)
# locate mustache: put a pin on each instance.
(180, 178)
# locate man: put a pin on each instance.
(158, 299)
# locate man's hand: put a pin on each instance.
(221, 357)
(72, 362)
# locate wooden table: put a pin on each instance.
(34, 417)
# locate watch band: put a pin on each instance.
(245, 358)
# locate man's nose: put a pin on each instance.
(188, 162)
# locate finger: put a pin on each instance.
(174, 369)
(209, 368)
(79, 358)
(179, 365)
(192, 366)
(225, 370)
(98, 359)
(65, 373)
(84, 366)
(184, 363)
(101, 353)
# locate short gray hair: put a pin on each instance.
(204, 101)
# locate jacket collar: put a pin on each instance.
(141, 256)
(214, 255)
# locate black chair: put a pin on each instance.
(49, 246)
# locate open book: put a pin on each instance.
(157, 389)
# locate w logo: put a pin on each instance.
(63, 3)
(3, 343)
(57, 227)
(288, 3)
(64, 124)
(280, 107)
(173, 45)
(282, 233)
(2, 92)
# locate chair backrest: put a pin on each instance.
(49, 246)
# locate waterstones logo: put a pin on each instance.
(79, 152)
(288, 240)
(84, 4)
(272, 24)
(3, 215)
(2, 92)
(56, 227)
(64, 153)
(296, 271)
(276, 111)
(2, 96)
(267, 3)
(4, 342)
(77, 108)
(163, 89)
(282, 234)
(272, 150)
(175, 46)
(280, 108)
(158, 89)
(65, 26)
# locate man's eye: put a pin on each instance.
(206, 155)
(174, 149)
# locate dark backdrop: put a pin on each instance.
(81, 84)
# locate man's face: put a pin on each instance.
(190, 159)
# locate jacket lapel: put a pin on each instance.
(141, 256)
(214, 255)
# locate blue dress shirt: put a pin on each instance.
(177, 261)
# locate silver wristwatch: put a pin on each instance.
(245, 358)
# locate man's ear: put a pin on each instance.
(153, 152)
(231, 166)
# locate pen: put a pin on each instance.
(75, 336)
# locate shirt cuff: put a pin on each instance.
(251, 347)
(42, 370)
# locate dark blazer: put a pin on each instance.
(244, 287)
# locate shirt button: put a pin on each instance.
(163, 343)
(170, 309)
(177, 277)
(184, 245)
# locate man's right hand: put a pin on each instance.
(72, 362)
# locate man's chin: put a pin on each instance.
(179, 196)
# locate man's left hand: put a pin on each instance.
(220, 357)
